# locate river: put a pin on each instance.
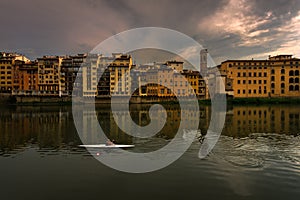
(256, 157)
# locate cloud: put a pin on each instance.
(289, 37)
(57, 27)
(229, 29)
(237, 17)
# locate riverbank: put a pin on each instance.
(43, 100)
(271, 100)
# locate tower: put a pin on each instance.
(203, 61)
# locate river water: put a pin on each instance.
(256, 157)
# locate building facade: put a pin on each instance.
(6, 75)
(7, 62)
(51, 80)
(119, 70)
(25, 78)
(276, 77)
(70, 67)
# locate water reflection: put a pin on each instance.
(244, 120)
(52, 128)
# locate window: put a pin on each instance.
(297, 73)
(259, 74)
(254, 81)
(291, 88)
(272, 71)
(249, 81)
(265, 74)
(254, 74)
(249, 91)
(291, 80)
(239, 91)
(282, 78)
(265, 81)
(273, 85)
(254, 91)
(296, 80)
(282, 71)
(272, 78)
(244, 81)
(239, 74)
(282, 85)
(244, 74)
(259, 81)
(250, 74)
(291, 73)
(244, 91)
(239, 81)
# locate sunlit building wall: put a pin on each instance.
(276, 77)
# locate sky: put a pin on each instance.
(229, 29)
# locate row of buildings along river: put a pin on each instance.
(102, 76)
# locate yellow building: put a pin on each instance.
(276, 77)
(7, 62)
(196, 82)
(6, 75)
(120, 82)
(51, 80)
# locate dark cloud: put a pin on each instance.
(36, 27)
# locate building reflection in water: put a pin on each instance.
(244, 120)
(53, 126)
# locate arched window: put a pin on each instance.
(282, 71)
(273, 85)
(291, 88)
(296, 80)
(297, 73)
(291, 73)
(272, 78)
(291, 80)
(297, 87)
(272, 71)
(282, 85)
(282, 78)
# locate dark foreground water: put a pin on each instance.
(257, 156)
